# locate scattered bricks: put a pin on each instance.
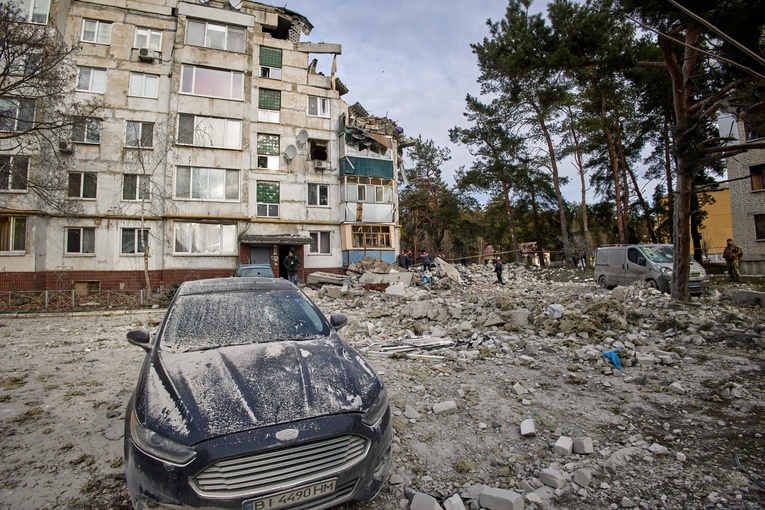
(583, 477)
(658, 449)
(528, 428)
(493, 320)
(519, 389)
(583, 445)
(500, 499)
(563, 446)
(644, 360)
(552, 478)
(411, 413)
(677, 388)
(448, 407)
(422, 501)
(520, 317)
(454, 503)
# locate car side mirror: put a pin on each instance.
(338, 320)
(140, 337)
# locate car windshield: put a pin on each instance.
(659, 253)
(255, 271)
(207, 321)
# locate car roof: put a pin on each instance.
(259, 284)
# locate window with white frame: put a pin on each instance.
(139, 134)
(134, 241)
(759, 227)
(14, 173)
(91, 79)
(318, 194)
(268, 151)
(320, 243)
(16, 115)
(209, 131)
(86, 130)
(205, 81)
(148, 38)
(13, 234)
(35, 11)
(205, 239)
(270, 63)
(371, 236)
(95, 31)
(80, 240)
(269, 105)
(82, 185)
(135, 187)
(214, 35)
(143, 85)
(211, 184)
(318, 106)
(268, 199)
(369, 193)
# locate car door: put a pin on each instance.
(636, 265)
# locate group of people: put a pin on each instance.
(406, 259)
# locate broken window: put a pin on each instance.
(268, 151)
(270, 63)
(757, 177)
(319, 150)
(371, 236)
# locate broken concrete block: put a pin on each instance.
(422, 501)
(563, 446)
(493, 320)
(500, 499)
(583, 445)
(528, 428)
(519, 389)
(677, 388)
(520, 317)
(658, 449)
(583, 477)
(411, 413)
(448, 407)
(552, 478)
(454, 503)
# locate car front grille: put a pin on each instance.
(277, 469)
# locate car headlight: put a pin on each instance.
(667, 271)
(157, 445)
(378, 409)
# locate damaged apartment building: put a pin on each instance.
(217, 141)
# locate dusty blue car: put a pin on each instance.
(248, 399)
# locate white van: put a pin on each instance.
(653, 263)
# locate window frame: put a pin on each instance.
(136, 240)
(100, 71)
(141, 135)
(97, 34)
(197, 134)
(16, 235)
(271, 72)
(206, 229)
(317, 194)
(91, 128)
(271, 157)
(317, 240)
(757, 177)
(22, 121)
(86, 182)
(371, 236)
(7, 184)
(759, 227)
(33, 10)
(265, 207)
(143, 85)
(322, 107)
(149, 33)
(227, 39)
(269, 105)
(141, 188)
(195, 179)
(86, 242)
(190, 83)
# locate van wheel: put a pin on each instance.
(654, 284)
(602, 283)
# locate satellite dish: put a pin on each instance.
(236, 4)
(302, 137)
(290, 152)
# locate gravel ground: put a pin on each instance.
(65, 381)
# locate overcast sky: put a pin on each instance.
(410, 60)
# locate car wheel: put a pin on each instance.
(654, 284)
(602, 283)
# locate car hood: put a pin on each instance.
(194, 396)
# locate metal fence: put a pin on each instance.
(73, 300)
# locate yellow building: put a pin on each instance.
(718, 224)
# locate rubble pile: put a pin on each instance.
(544, 394)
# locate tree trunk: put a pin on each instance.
(583, 207)
(511, 221)
(643, 204)
(612, 158)
(668, 170)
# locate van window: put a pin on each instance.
(633, 254)
(660, 253)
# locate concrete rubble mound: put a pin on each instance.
(542, 393)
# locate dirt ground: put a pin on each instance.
(65, 381)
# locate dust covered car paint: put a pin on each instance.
(249, 399)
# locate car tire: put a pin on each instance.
(602, 283)
(654, 284)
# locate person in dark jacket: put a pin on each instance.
(498, 270)
(403, 259)
(425, 260)
(292, 264)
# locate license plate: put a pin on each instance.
(694, 284)
(291, 497)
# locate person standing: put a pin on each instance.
(732, 255)
(426, 260)
(498, 270)
(403, 260)
(292, 264)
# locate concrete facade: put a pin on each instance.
(218, 139)
(747, 199)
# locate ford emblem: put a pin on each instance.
(287, 434)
